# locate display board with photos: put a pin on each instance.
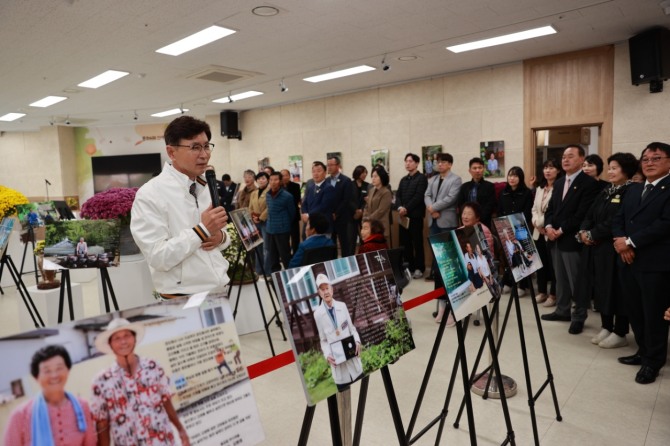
(37, 215)
(76, 244)
(193, 359)
(465, 263)
(518, 245)
(246, 228)
(345, 319)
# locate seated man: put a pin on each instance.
(317, 226)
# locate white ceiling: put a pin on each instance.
(48, 47)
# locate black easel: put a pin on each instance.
(460, 359)
(360, 412)
(65, 284)
(23, 291)
(31, 239)
(107, 289)
(248, 265)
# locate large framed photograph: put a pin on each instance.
(429, 159)
(188, 360)
(493, 154)
(295, 168)
(465, 263)
(380, 158)
(517, 242)
(6, 226)
(246, 228)
(346, 320)
(83, 243)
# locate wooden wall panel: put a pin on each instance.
(567, 90)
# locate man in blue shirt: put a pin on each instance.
(317, 225)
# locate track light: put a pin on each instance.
(282, 86)
(135, 116)
(181, 109)
(230, 99)
(67, 120)
(385, 66)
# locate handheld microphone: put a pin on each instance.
(210, 176)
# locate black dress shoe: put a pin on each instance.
(631, 360)
(556, 317)
(646, 375)
(576, 327)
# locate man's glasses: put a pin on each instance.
(652, 160)
(196, 148)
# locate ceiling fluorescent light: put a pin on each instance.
(341, 73)
(12, 116)
(103, 79)
(174, 111)
(201, 38)
(48, 101)
(238, 97)
(515, 37)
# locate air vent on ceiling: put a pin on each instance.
(220, 74)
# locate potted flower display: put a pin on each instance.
(114, 203)
(9, 199)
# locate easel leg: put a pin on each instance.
(107, 290)
(334, 421)
(260, 305)
(306, 425)
(393, 403)
(23, 291)
(466, 383)
(360, 411)
(273, 295)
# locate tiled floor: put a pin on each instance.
(598, 399)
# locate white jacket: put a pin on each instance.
(164, 220)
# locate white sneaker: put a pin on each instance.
(540, 298)
(604, 333)
(417, 274)
(613, 341)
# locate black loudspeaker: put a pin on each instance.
(650, 56)
(229, 126)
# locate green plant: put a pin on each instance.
(314, 368)
(235, 254)
(397, 342)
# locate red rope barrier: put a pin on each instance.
(283, 359)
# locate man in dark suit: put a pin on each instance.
(319, 196)
(572, 196)
(641, 232)
(479, 191)
(409, 203)
(227, 191)
(344, 207)
(293, 188)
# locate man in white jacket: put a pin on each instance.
(173, 221)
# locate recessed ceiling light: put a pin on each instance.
(237, 97)
(265, 11)
(508, 38)
(174, 111)
(12, 116)
(103, 79)
(407, 58)
(341, 73)
(48, 101)
(201, 38)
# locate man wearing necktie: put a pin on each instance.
(334, 325)
(173, 221)
(319, 196)
(571, 198)
(641, 232)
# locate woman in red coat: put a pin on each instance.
(372, 234)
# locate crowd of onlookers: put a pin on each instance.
(604, 244)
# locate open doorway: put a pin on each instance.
(550, 142)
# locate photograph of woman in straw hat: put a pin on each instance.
(131, 400)
(54, 416)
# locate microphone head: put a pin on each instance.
(209, 173)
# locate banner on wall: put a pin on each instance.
(188, 357)
(346, 320)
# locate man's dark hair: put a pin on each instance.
(627, 161)
(272, 169)
(46, 353)
(414, 157)
(262, 174)
(225, 177)
(476, 160)
(654, 146)
(445, 157)
(595, 160)
(276, 174)
(185, 127)
(320, 164)
(336, 158)
(579, 148)
(318, 222)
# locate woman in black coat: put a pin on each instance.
(599, 257)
